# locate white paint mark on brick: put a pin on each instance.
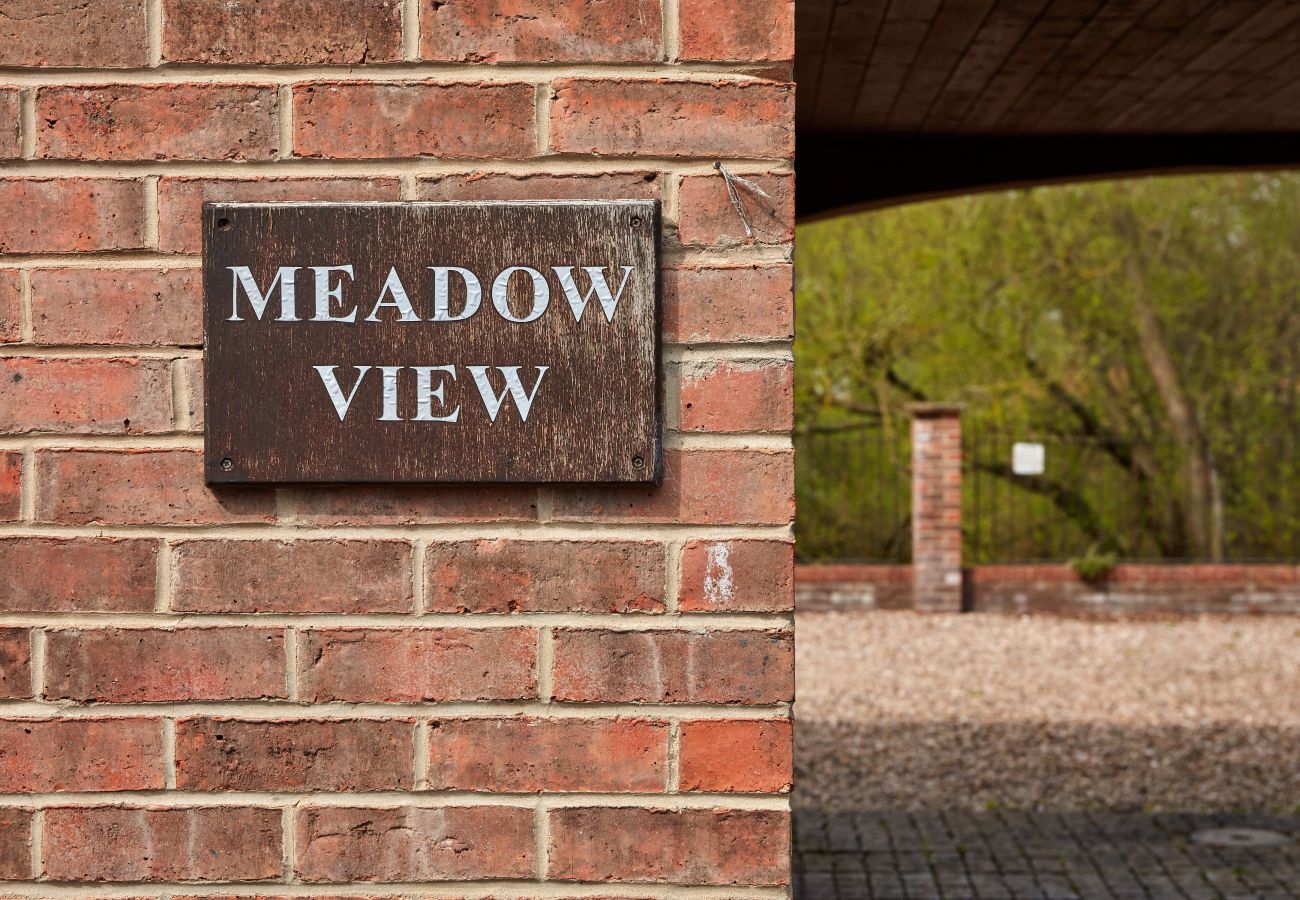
(719, 585)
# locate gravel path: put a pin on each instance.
(900, 711)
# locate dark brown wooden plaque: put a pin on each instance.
(381, 374)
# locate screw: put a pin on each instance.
(223, 224)
(227, 464)
(638, 462)
(636, 221)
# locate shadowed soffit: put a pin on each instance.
(900, 99)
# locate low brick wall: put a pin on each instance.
(1130, 589)
(822, 587)
(1137, 588)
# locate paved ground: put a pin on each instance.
(1004, 855)
(988, 746)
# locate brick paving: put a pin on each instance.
(1003, 855)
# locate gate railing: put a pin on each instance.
(1061, 498)
(1105, 495)
(1056, 498)
(854, 490)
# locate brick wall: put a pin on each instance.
(1138, 589)
(337, 690)
(1131, 589)
(822, 587)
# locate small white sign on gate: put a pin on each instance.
(1028, 459)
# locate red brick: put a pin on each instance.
(743, 667)
(15, 664)
(722, 30)
(410, 504)
(11, 473)
(293, 576)
(408, 666)
(71, 215)
(141, 307)
(157, 121)
(540, 31)
(80, 755)
(139, 487)
(529, 755)
(734, 303)
(11, 325)
(40, 574)
(237, 843)
(708, 217)
(688, 846)
(120, 665)
(367, 120)
(102, 34)
(407, 844)
(748, 756)
(15, 844)
(545, 576)
(86, 396)
(672, 118)
(230, 755)
(282, 32)
(737, 576)
(543, 186)
(180, 200)
(703, 487)
(737, 397)
(11, 146)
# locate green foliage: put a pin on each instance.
(1094, 567)
(1147, 331)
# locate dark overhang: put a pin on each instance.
(910, 99)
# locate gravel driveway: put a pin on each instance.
(901, 711)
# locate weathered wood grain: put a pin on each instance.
(595, 417)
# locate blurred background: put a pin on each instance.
(1123, 363)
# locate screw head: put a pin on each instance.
(638, 462)
(636, 221)
(223, 224)
(227, 464)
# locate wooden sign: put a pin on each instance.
(424, 342)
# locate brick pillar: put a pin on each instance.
(936, 507)
(473, 684)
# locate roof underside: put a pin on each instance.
(892, 88)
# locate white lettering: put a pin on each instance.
(393, 286)
(425, 392)
(390, 394)
(442, 291)
(492, 401)
(327, 294)
(541, 294)
(242, 277)
(599, 287)
(332, 388)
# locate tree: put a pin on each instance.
(1150, 324)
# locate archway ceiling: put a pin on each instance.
(1180, 83)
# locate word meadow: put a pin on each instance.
(432, 342)
(394, 304)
